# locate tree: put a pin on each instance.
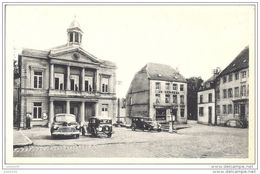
(193, 86)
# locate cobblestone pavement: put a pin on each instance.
(198, 141)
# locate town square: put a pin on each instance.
(137, 82)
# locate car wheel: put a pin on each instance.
(149, 128)
(77, 136)
(109, 135)
(53, 136)
(159, 130)
(133, 128)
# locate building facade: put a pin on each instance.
(159, 92)
(66, 79)
(232, 89)
(207, 101)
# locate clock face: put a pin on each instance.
(76, 56)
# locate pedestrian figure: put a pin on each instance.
(28, 120)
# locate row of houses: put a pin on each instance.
(68, 79)
(225, 96)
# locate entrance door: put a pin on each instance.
(161, 114)
(210, 114)
(75, 110)
(174, 114)
(104, 111)
(242, 111)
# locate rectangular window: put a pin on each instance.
(201, 98)
(37, 110)
(58, 81)
(230, 77)
(76, 37)
(182, 112)
(88, 83)
(37, 79)
(181, 87)
(210, 98)
(174, 87)
(167, 86)
(71, 37)
(243, 90)
(158, 98)
(230, 93)
(201, 110)
(236, 75)
(104, 110)
(167, 98)
(236, 109)
(243, 74)
(158, 86)
(174, 98)
(224, 79)
(74, 82)
(224, 93)
(224, 109)
(182, 99)
(229, 109)
(236, 91)
(104, 87)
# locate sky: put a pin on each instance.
(192, 39)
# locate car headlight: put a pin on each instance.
(99, 128)
(55, 127)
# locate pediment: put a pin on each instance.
(75, 54)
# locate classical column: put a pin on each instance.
(82, 113)
(96, 109)
(83, 79)
(68, 78)
(52, 76)
(51, 113)
(68, 107)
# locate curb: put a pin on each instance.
(28, 143)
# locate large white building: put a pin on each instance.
(232, 89)
(65, 79)
(206, 101)
(158, 91)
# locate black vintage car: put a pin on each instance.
(65, 125)
(145, 123)
(98, 126)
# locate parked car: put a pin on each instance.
(145, 123)
(65, 125)
(98, 126)
(236, 123)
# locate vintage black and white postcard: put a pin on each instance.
(152, 85)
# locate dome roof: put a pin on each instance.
(74, 25)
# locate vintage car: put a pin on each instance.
(65, 125)
(144, 123)
(98, 126)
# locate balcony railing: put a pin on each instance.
(54, 92)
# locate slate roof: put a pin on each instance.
(35, 53)
(240, 62)
(163, 72)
